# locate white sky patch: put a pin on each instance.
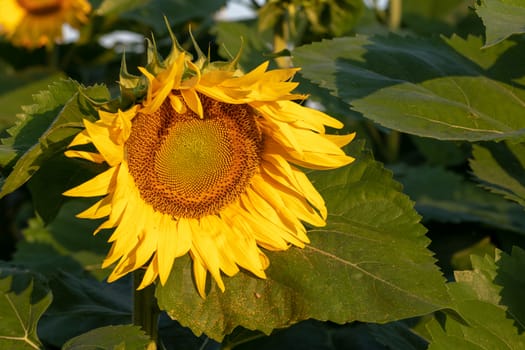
(236, 10)
(69, 34)
(378, 4)
(122, 40)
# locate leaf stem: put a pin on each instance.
(145, 309)
(395, 13)
(281, 37)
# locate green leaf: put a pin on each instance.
(501, 169)
(495, 60)
(24, 299)
(67, 244)
(54, 177)
(114, 7)
(417, 86)
(314, 335)
(46, 128)
(432, 16)
(242, 35)
(177, 12)
(441, 153)
(370, 263)
(510, 277)
(502, 19)
(447, 197)
(16, 90)
(82, 304)
(126, 337)
(480, 302)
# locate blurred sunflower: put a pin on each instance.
(35, 23)
(205, 164)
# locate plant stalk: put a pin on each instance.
(145, 309)
(395, 13)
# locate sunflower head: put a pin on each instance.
(35, 23)
(206, 163)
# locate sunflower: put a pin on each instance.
(207, 164)
(35, 23)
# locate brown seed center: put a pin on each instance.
(41, 7)
(185, 166)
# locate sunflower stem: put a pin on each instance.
(395, 13)
(145, 309)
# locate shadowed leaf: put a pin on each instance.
(479, 300)
(501, 19)
(417, 86)
(23, 299)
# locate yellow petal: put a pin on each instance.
(199, 272)
(97, 186)
(340, 140)
(291, 112)
(308, 159)
(193, 101)
(286, 204)
(98, 210)
(151, 274)
(280, 170)
(92, 157)
(206, 248)
(174, 241)
(82, 138)
(290, 232)
(177, 104)
(248, 79)
(101, 138)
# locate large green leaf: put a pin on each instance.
(432, 16)
(479, 299)
(54, 177)
(501, 169)
(46, 127)
(370, 263)
(82, 304)
(502, 18)
(24, 298)
(495, 60)
(315, 335)
(418, 86)
(114, 7)
(65, 244)
(447, 197)
(126, 337)
(16, 90)
(177, 12)
(252, 43)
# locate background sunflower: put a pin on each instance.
(35, 23)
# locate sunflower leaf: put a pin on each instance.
(177, 11)
(370, 263)
(487, 299)
(418, 86)
(65, 244)
(82, 304)
(431, 16)
(501, 169)
(314, 335)
(453, 199)
(16, 90)
(46, 128)
(127, 337)
(253, 43)
(24, 299)
(501, 19)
